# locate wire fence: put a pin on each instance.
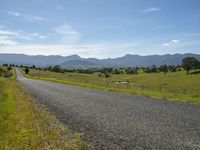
(130, 86)
(182, 91)
(162, 88)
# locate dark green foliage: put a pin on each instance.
(172, 68)
(86, 71)
(190, 63)
(107, 75)
(152, 69)
(26, 70)
(2, 71)
(5, 65)
(163, 69)
(106, 70)
(131, 70)
(6, 72)
(57, 68)
(33, 67)
(116, 71)
(9, 68)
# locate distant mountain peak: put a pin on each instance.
(76, 61)
(74, 55)
(130, 55)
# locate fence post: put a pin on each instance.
(127, 86)
(185, 91)
(142, 88)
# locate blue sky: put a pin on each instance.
(99, 28)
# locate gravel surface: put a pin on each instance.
(120, 121)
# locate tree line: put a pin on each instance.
(188, 64)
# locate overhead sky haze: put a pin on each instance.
(99, 28)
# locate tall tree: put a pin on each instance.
(190, 63)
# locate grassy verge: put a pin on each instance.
(26, 125)
(94, 82)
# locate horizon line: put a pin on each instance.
(99, 58)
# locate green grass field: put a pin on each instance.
(175, 86)
(24, 124)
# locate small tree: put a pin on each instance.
(116, 71)
(107, 75)
(56, 68)
(33, 67)
(26, 70)
(163, 69)
(131, 70)
(171, 68)
(5, 65)
(9, 68)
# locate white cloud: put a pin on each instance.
(166, 44)
(42, 37)
(19, 34)
(30, 36)
(6, 32)
(171, 42)
(14, 14)
(27, 17)
(6, 42)
(66, 30)
(175, 41)
(69, 34)
(152, 9)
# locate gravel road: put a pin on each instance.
(120, 121)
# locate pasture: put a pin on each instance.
(173, 86)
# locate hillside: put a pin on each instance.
(76, 61)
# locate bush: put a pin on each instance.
(26, 70)
(6, 73)
(107, 75)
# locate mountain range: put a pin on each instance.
(75, 61)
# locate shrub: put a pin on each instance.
(26, 70)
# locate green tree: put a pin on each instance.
(26, 70)
(190, 63)
(131, 71)
(9, 68)
(33, 67)
(163, 69)
(116, 71)
(107, 75)
(57, 68)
